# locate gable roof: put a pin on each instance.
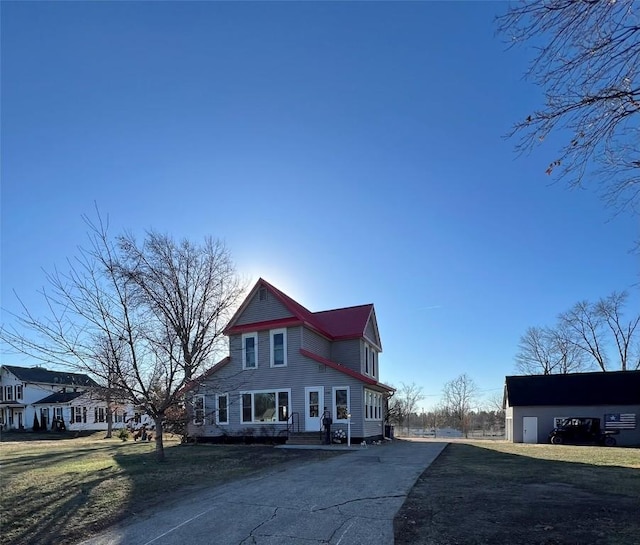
(335, 324)
(601, 388)
(42, 375)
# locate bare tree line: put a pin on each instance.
(588, 336)
(458, 408)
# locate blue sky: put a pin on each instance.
(347, 152)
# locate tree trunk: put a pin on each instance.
(109, 434)
(159, 440)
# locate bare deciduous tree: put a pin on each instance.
(459, 396)
(587, 62)
(404, 403)
(143, 318)
(546, 351)
(600, 325)
(624, 333)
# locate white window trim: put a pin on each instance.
(204, 410)
(271, 346)
(218, 421)
(374, 407)
(269, 391)
(366, 359)
(374, 358)
(253, 336)
(334, 405)
(369, 360)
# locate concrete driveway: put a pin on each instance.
(349, 500)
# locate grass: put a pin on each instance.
(61, 491)
(500, 493)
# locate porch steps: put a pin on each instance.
(305, 438)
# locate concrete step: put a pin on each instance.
(305, 438)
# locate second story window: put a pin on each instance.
(366, 359)
(18, 391)
(278, 347)
(250, 351)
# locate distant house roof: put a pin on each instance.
(336, 324)
(602, 388)
(59, 397)
(42, 375)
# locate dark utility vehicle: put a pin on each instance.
(582, 431)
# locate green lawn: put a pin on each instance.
(60, 491)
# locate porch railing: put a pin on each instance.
(293, 423)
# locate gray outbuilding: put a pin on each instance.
(535, 404)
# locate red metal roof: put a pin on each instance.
(344, 322)
(343, 369)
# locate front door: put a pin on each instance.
(530, 429)
(314, 398)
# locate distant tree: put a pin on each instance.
(459, 396)
(546, 351)
(587, 62)
(144, 318)
(404, 403)
(495, 403)
(596, 327)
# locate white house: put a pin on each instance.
(37, 398)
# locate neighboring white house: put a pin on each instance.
(31, 396)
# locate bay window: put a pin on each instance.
(372, 405)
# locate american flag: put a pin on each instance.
(620, 421)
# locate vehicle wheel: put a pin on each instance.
(609, 442)
(556, 440)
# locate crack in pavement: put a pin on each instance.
(252, 534)
(350, 519)
(338, 505)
